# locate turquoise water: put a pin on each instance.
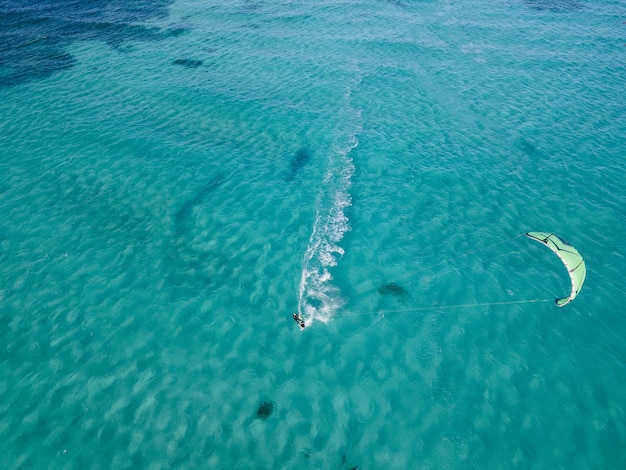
(178, 178)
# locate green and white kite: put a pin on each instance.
(571, 258)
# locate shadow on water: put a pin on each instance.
(407, 3)
(297, 162)
(181, 218)
(265, 410)
(526, 146)
(34, 34)
(393, 290)
(189, 262)
(553, 5)
(188, 63)
(346, 463)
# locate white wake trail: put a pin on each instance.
(318, 298)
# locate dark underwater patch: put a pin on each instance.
(188, 265)
(251, 5)
(184, 211)
(188, 63)
(527, 147)
(297, 162)
(392, 289)
(407, 3)
(176, 32)
(265, 410)
(553, 5)
(34, 34)
(346, 464)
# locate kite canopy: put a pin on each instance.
(571, 258)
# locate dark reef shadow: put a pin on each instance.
(187, 265)
(526, 146)
(346, 464)
(392, 289)
(177, 32)
(265, 410)
(188, 63)
(553, 5)
(297, 162)
(34, 34)
(181, 217)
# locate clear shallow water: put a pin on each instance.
(170, 193)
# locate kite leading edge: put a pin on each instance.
(571, 258)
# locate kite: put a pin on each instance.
(571, 258)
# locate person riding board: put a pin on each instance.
(298, 319)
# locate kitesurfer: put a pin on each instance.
(298, 319)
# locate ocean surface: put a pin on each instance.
(178, 177)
